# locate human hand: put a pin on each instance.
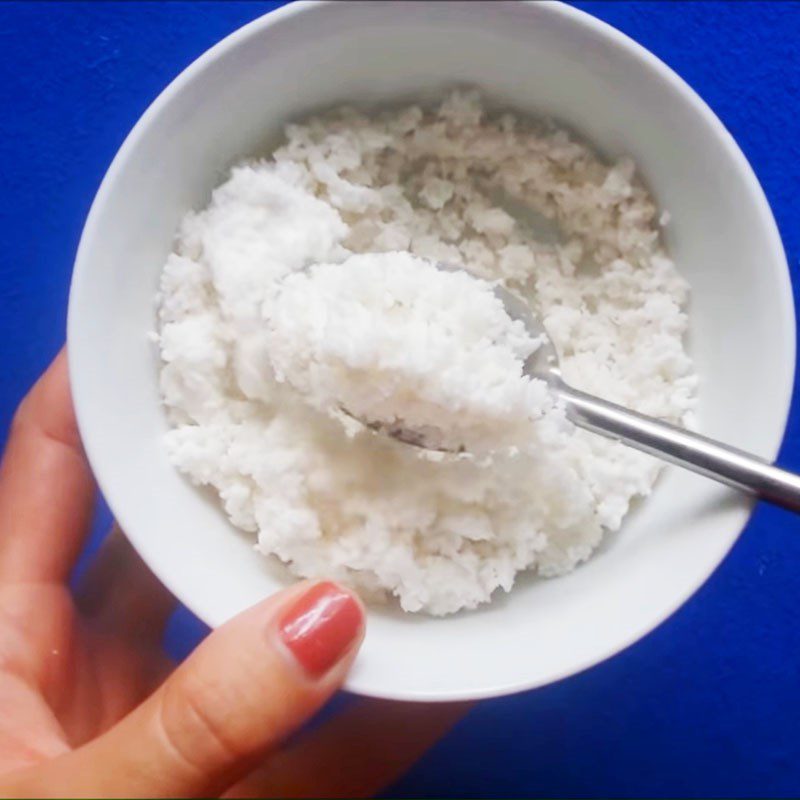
(92, 707)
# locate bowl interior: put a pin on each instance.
(541, 58)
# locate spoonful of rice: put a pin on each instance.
(436, 358)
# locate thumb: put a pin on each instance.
(246, 688)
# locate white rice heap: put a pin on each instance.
(455, 185)
(389, 339)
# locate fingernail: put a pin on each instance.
(320, 627)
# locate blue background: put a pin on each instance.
(707, 705)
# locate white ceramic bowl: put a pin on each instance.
(538, 57)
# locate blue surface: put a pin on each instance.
(709, 704)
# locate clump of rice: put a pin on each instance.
(391, 340)
(451, 184)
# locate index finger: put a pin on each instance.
(46, 487)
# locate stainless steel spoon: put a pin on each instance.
(723, 463)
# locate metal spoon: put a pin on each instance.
(723, 463)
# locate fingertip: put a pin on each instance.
(322, 626)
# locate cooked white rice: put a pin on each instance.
(392, 341)
(450, 185)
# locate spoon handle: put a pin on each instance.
(729, 465)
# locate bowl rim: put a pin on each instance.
(658, 70)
